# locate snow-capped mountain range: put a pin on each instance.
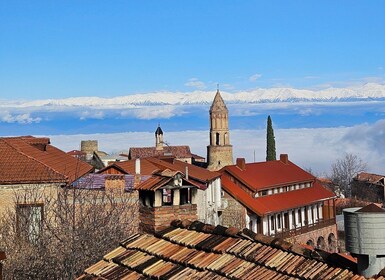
(369, 91)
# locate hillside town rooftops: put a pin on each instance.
(29, 160)
(193, 250)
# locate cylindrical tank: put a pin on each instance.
(365, 237)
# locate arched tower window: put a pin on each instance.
(217, 138)
(225, 142)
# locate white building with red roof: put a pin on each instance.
(278, 198)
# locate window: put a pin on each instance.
(185, 196)
(167, 197)
(29, 220)
(272, 223)
(264, 192)
(278, 221)
(217, 138)
(299, 216)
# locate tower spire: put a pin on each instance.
(220, 151)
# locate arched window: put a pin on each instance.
(321, 243)
(225, 142)
(310, 242)
(332, 242)
(217, 138)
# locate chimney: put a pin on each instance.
(241, 163)
(137, 166)
(137, 178)
(284, 158)
(186, 173)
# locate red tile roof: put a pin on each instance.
(277, 202)
(149, 166)
(163, 178)
(196, 172)
(28, 160)
(264, 175)
(369, 177)
(175, 151)
(194, 250)
(128, 167)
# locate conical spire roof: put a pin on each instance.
(158, 131)
(218, 103)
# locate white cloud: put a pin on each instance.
(194, 82)
(99, 115)
(315, 148)
(254, 77)
(157, 112)
(19, 118)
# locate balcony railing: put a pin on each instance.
(285, 233)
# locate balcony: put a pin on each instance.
(286, 233)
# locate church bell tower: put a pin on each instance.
(219, 152)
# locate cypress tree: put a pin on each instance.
(270, 141)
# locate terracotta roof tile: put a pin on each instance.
(175, 253)
(197, 176)
(32, 160)
(369, 177)
(176, 151)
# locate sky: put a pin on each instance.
(67, 69)
(58, 49)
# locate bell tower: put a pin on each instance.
(219, 152)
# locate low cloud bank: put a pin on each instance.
(314, 148)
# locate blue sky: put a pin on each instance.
(56, 49)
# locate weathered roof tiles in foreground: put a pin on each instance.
(199, 251)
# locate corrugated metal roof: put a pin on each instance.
(181, 251)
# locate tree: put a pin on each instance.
(77, 228)
(344, 169)
(270, 141)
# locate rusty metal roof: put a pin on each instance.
(198, 251)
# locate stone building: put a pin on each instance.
(161, 149)
(31, 166)
(278, 198)
(220, 151)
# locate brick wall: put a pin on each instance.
(156, 218)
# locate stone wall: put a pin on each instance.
(219, 156)
(24, 193)
(157, 218)
(234, 214)
(328, 244)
